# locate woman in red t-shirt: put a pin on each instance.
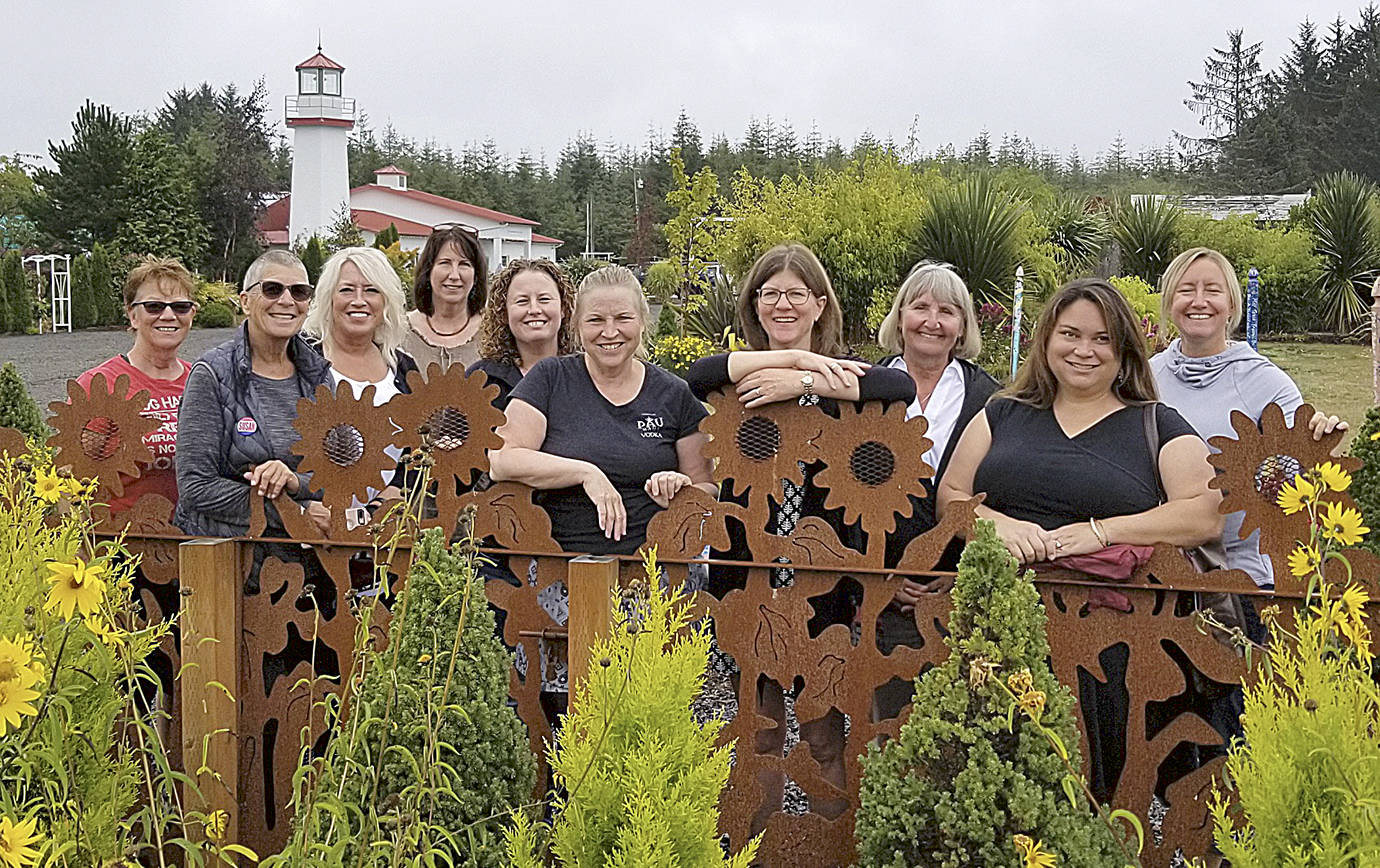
(158, 297)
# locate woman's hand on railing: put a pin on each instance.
(613, 515)
(320, 516)
(272, 478)
(1027, 541)
(837, 373)
(1322, 424)
(663, 485)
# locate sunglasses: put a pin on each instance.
(466, 228)
(156, 308)
(272, 289)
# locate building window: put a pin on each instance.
(331, 84)
(309, 81)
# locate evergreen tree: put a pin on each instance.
(81, 201)
(1230, 94)
(447, 674)
(17, 298)
(957, 785)
(17, 407)
(387, 238)
(163, 218)
(109, 304)
(979, 151)
(313, 255)
(85, 311)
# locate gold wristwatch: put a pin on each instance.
(807, 382)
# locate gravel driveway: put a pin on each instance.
(48, 361)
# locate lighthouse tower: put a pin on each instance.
(321, 120)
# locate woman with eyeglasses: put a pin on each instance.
(235, 433)
(158, 302)
(450, 283)
(790, 317)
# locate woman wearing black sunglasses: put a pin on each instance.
(235, 434)
(158, 301)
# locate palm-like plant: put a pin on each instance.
(1077, 231)
(1348, 240)
(973, 226)
(1146, 228)
(709, 314)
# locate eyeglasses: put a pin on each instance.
(272, 289)
(466, 228)
(796, 297)
(156, 308)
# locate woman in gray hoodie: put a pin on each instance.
(1205, 375)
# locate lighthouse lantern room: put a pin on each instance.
(321, 120)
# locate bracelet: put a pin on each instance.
(1099, 532)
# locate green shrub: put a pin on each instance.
(444, 675)
(1365, 485)
(17, 408)
(580, 266)
(313, 254)
(710, 314)
(1079, 231)
(975, 227)
(668, 321)
(663, 280)
(1145, 301)
(19, 306)
(215, 315)
(1146, 228)
(676, 353)
(959, 782)
(638, 779)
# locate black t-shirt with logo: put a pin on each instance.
(628, 443)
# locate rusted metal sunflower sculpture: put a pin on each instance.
(101, 433)
(13, 442)
(879, 463)
(342, 445)
(757, 448)
(1253, 467)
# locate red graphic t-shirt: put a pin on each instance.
(165, 397)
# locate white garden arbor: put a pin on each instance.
(59, 286)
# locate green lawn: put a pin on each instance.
(1332, 377)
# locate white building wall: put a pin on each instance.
(320, 179)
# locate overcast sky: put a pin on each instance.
(532, 73)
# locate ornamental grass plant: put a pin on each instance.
(1302, 788)
(985, 770)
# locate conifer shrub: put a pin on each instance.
(966, 776)
(17, 408)
(1365, 488)
(110, 305)
(434, 716)
(638, 779)
(18, 304)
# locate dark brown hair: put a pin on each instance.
(466, 241)
(496, 341)
(826, 338)
(1035, 383)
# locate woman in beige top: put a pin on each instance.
(450, 284)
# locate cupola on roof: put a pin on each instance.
(319, 61)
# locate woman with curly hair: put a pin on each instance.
(527, 318)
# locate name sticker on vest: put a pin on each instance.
(246, 426)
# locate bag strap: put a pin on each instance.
(1152, 440)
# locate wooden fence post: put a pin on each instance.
(590, 581)
(209, 572)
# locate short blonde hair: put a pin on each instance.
(379, 273)
(942, 283)
(1175, 273)
(161, 272)
(615, 276)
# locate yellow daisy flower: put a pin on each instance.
(15, 704)
(1297, 495)
(17, 663)
(1033, 854)
(47, 486)
(17, 842)
(108, 634)
(76, 587)
(1332, 475)
(1304, 560)
(1342, 524)
(1354, 600)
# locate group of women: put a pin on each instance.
(1092, 453)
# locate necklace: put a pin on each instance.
(441, 334)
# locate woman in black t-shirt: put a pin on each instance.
(528, 317)
(1064, 458)
(608, 438)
